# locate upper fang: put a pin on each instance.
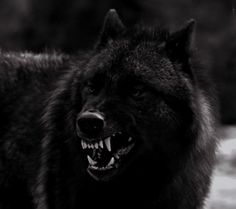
(108, 143)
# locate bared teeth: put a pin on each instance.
(100, 144)
(108, 143)
(91, 161)
(91, 146)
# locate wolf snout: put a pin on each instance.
(90, 123)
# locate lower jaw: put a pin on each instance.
(102, 175)
(109, 172)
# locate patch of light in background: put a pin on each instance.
(223, 189)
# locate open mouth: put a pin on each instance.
(105, 155)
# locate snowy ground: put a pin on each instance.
(223, 189)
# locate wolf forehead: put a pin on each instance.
(134, 48)
(150, 54)
(145, 61)
(130, 65)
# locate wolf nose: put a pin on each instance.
(90, 123)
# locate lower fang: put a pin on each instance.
(91, 161)
(112, 161)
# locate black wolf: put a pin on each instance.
(130, 124)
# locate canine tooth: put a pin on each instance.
(82, 144)
(130, 139)
(101, 144)
(112, 161)
(108, 143)
(91, 161)
(92, 146)
(96, 145)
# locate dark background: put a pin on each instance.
(68, 26)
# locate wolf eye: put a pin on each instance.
(137, 92)
(90, 88)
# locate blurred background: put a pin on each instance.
(71, 25)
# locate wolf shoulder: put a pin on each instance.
(25, 69)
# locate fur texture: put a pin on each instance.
(145, 83)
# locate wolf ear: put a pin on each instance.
(179, 43)
(112, 26)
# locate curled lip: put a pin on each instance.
(105, 155)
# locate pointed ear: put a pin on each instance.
(179, 43)
(112, 27)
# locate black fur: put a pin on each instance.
(25, 83)
(145, 83)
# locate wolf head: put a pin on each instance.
(136, 97)
(136, 101)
